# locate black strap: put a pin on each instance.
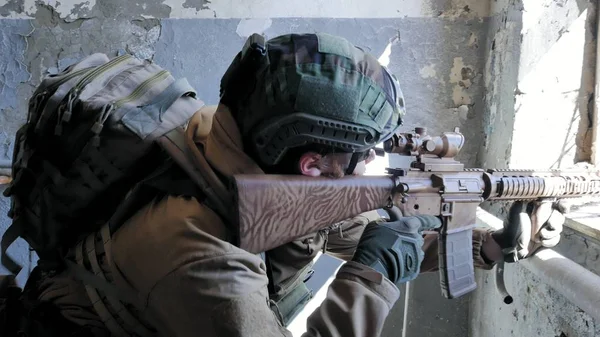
(10, 236)
(141, 194)
(26, 318)
(175, 181)
(173, 142)
(107, 288)
(9, 305)
(168, 179)
(353, 162)
(22, 314)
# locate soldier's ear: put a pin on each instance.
(308, 164)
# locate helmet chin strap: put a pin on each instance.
(353, 161)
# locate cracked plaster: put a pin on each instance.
(74, 9)
(537, 310)
(53, 47)
(524, 87)
(523, 38)
(502, 50)
(581, 249)
(13, 76)
(555, 97)
(202, 49)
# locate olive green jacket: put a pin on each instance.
(174, 255)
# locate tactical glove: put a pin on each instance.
(529, 227)
(394, 248)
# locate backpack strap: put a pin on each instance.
(9, 308)
(22, 314)
(107, 299)
(141, 194)
(174, 143)
(12, 233)
(101, 284)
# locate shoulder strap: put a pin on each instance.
(101, 284)
(23, 314)
(12, 233)
(175, 145)
(141, 194)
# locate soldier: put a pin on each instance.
(175, 254)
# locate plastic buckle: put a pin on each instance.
(255, 47)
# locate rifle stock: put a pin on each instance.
(276, 209)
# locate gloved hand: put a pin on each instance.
(394, 248)
(529, 227)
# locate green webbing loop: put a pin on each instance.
(334, 45)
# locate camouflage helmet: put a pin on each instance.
(310, 89)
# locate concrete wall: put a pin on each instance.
(464, 63)
(538, 309)
(538, 93)
(539, 66)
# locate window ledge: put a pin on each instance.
(576, 283)
(585, 219)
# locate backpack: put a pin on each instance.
(22, 314)
(94, 132)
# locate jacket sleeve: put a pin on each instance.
(221, 296)
(217, 289)
(343, 237)
(357, 304)
(234, 302)
(193, 282)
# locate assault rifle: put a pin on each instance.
(276, 209)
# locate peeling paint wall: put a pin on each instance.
(540, 58)
(13, 76)
(73, 9)
(555, 85)
(502, 52)
(434, 48)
